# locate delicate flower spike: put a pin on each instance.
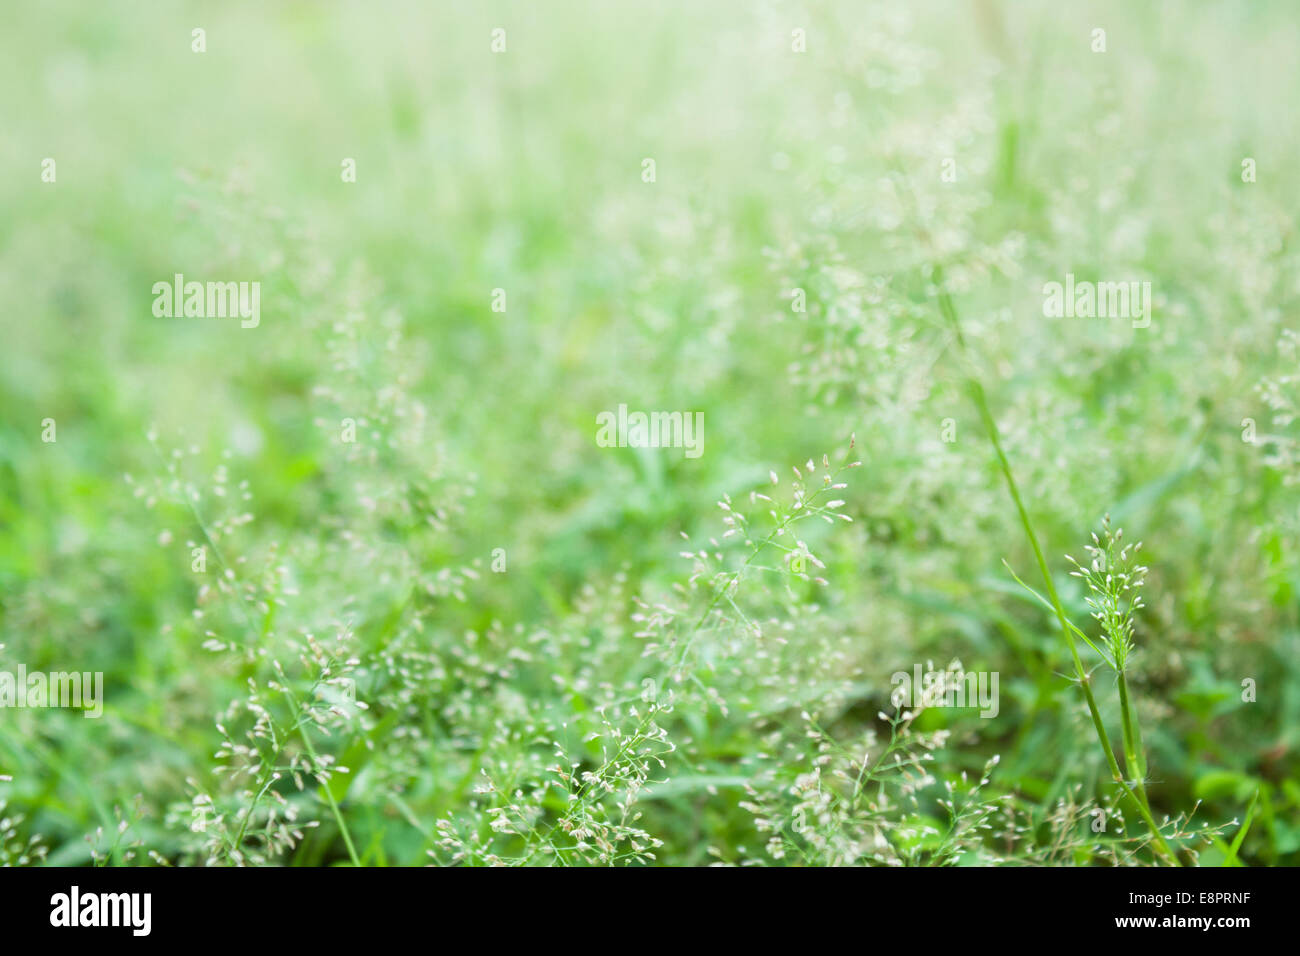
(1113, 582)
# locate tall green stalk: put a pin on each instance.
(1084, 680)
(1133, 756)
(329, 794)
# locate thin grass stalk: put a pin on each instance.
(949, 312)
(329, 794)
(1134, 759)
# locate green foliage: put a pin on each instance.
(433, 621)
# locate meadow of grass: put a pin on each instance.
(365, 588)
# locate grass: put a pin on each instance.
(364, 586)
(1118, 640)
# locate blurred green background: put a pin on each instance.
(521, 170)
